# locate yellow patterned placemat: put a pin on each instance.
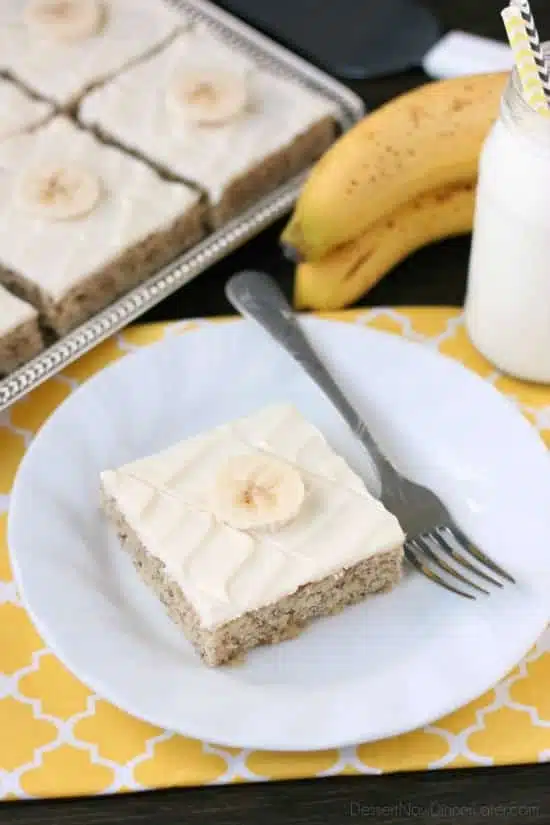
(57, 738)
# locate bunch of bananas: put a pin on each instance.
(404, 177)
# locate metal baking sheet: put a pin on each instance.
(215, 246)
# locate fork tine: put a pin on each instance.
(460, 559)
(467, 545)
(426, 571)
(422, 543)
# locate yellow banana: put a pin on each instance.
(420, 141)
(346, 274)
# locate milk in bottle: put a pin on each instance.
(507, 308)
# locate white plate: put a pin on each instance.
(390, 665)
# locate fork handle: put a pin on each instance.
(256, 296)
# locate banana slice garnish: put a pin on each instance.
(64, 21)
(207, 97)
(254, 491)
(59, 192)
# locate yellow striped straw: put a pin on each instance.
(525, 60)
(536, 47)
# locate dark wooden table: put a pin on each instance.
(505, 795)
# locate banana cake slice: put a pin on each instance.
(248, 532)
(81, 222)
(202, 112)
(20, 336)
(61, 48)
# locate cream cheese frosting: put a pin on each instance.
(13, 312)
(19, 112)
(63, 71)
(225, 572)
(134, 109)
(57, 254)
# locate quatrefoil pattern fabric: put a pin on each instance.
(57, 738)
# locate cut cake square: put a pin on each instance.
(202, 112)
(81, 222)
(61, 48)
(20, 336)
(19, 112)
(248, 532)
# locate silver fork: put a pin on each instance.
(436, 546)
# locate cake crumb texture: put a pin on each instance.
(20, 335)
(271, 624)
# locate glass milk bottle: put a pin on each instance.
(507, 308)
